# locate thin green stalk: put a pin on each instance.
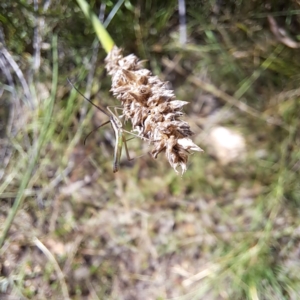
(103, 36)
(36, 152)
(256, 74)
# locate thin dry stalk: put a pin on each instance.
(151, 108)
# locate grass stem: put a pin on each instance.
(36, 149)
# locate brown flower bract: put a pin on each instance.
(151, 107)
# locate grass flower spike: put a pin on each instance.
(151, 107)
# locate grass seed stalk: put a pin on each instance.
(151, 107)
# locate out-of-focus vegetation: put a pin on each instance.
(225, 230)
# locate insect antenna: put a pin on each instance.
(76, 89)
(84, 142)
(94, 130)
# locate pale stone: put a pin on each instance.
(226, 144)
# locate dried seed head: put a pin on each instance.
(151, 107)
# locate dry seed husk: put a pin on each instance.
(151, 107)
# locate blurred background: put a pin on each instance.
(229, 228)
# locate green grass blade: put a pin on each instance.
(36, 151)
(103, 36)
